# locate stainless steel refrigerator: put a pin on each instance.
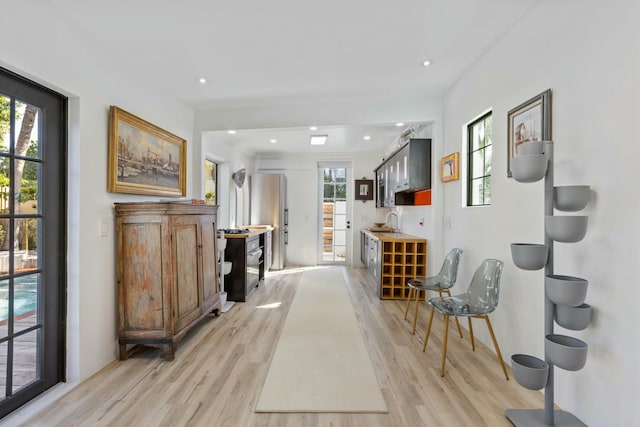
(269, 206)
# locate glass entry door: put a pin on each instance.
(335, 214)
(32, 239)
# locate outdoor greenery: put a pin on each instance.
(25, 185)
(335, 184)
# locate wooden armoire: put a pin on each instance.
(167, 271)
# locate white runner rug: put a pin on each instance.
(321, 363)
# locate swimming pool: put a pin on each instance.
(25, 296)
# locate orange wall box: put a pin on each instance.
(422, 198)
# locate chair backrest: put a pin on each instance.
(449, 269)
(484, 289)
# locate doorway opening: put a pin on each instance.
(335, 213)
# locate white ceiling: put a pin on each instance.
(341, 139)
(279, 52)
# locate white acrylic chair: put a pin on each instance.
(440, 283)
(479, 301)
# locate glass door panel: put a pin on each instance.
(32, 224)
(335, 214)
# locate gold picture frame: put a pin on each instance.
(143, 158)
(450, 167)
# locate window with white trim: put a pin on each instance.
(479, 161)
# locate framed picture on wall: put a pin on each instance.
(143, 158)
(529, 121)
(450, 167)
(364, 189)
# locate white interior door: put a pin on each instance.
(335, 237)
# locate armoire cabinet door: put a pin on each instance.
(141, 289)
(209, 261)
(185, 267)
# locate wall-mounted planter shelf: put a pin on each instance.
(529, 256)
(574, 318)
(571, 198)
(565, 352)
(566, 290)
(529, 168)
(566, 229)
(564, 295)
(529, 371)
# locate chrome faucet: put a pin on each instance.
(386, 220)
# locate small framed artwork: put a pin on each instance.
(364, 189)
(529, 121)
(450, 167)
(144, 159)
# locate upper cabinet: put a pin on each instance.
(406, 171)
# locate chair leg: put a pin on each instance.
(473, 342)
(428, 331)
(417, 294)
(456, 317)
(444, 344)
(495, 344)
(406, 307)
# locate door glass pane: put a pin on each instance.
(5, 118)
(4, 307)
(4, 184)
(25, 358)
(26, 178)
(26, 142)
(3, 362)
(329, 191)
(26, 231)
(341, 208)
(25, 301)
(339, 237)
(327, 216)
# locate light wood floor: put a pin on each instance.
(219, 369)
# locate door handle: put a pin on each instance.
(348, 224)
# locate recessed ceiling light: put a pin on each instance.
(231, 132)
(273, 141)
(366, 137)
(313, 128)
(426, 62)
(318, 139)
(399, 124)
(202, 80)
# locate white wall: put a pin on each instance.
(52, 51)
(233, 202)
(588, 53)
